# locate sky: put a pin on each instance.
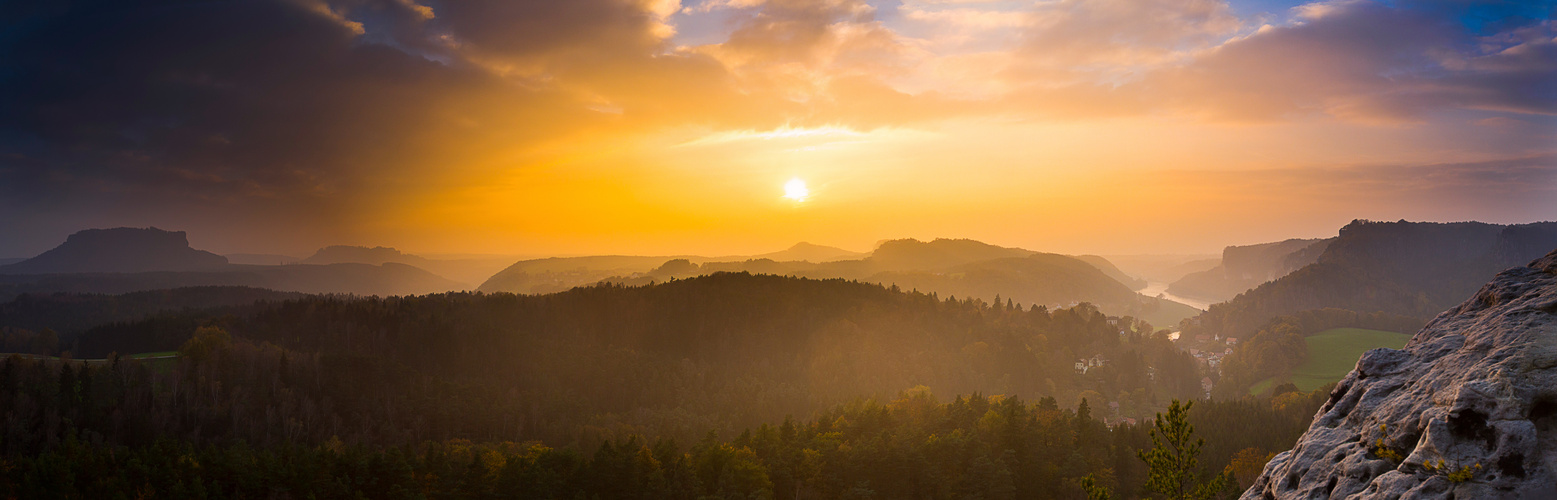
(540, 127)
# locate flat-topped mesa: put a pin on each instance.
(1468, 409)
(119, 250)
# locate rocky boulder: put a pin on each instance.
(1468, 409)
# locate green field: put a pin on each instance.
(144, 355)
(1169, 314)
(160, 362)
(1333, 353)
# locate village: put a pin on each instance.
(1208, 352)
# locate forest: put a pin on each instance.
(759, 385)
(125, 429)
(723, 351)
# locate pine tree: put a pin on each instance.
(1094, 490)
(1173, 460)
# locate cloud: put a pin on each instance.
(331, 110)
(1117, 40)
(244, 107)
(1363, 61)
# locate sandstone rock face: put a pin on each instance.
(1476, 389)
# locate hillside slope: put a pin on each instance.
(1414, 269)
(718, 351)
(1108, 268)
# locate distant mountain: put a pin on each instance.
(1109, 269)
(1245, 267)
(466, 271)
(1414, 269)
(120, 250)
(960, 267)
(556, 274)
(810, 253)
(261, 259)
(1040, 278)
(344, 254)
(914, 255)
(11, 260)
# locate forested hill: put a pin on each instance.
(677, 358)
(68, 313)
(1414, 269)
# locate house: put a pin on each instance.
(1084, 364)
(1206, 384)
(1232, 341)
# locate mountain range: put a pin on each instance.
(949, 267)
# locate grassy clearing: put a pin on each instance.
(159, 362)
(144, 355)
(1333, 353)
(1169, 314)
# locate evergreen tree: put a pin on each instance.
(1095, 491)
(1174, 459)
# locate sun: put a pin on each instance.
(796, 190)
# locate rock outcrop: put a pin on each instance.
(1468, 409)
(120, 250)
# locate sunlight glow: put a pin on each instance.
(796, 190)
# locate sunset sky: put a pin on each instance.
(657, 127)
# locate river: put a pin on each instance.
(1154, 289)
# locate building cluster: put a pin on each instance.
(1209, 350)
(1084, 365)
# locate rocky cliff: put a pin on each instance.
(1245, 267)
(1468, 409)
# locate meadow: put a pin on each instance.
(1333, 353)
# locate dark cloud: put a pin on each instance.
(286, 107)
